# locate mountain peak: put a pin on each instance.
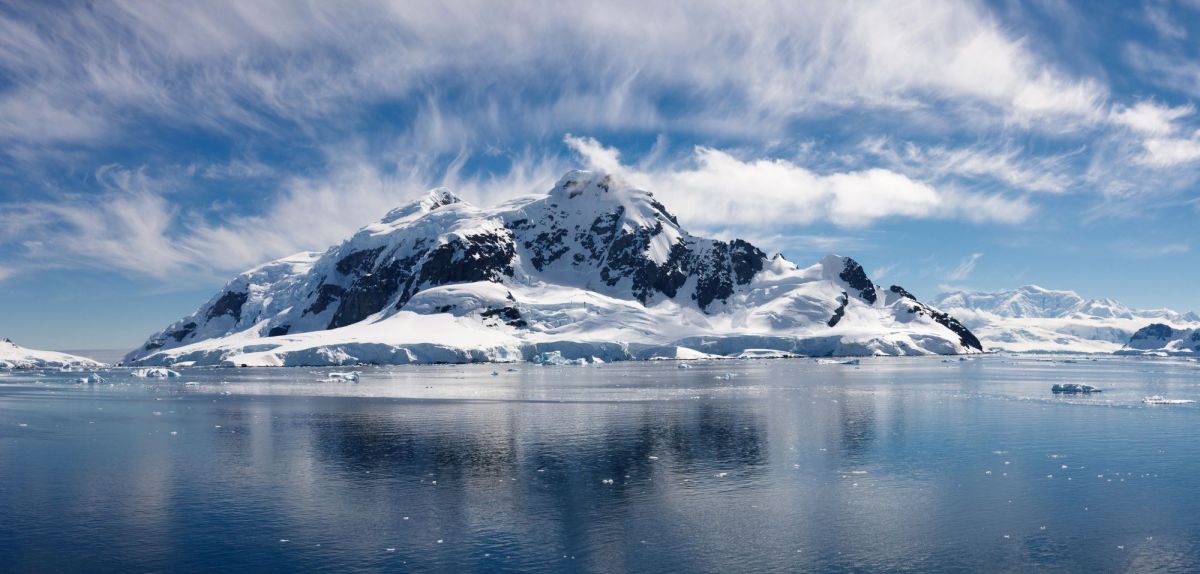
(439, 196)
(848, 272)
(432, 200)
(594, 259)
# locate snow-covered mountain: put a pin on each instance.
(13, 356)
(1034, 319)
(594, 268)
(1160, 339)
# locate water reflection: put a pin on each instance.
(789, 465)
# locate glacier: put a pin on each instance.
(593, 270)
(1033, 319)
(13, 356)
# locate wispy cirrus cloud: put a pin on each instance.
(964, 268)
(87, 73)
(779, 192)
(242, 131)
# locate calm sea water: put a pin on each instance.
(898, 464)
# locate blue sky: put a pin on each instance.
(149, 151)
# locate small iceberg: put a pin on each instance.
(156, 373)
(1160, 400)
(1074, 388)
(347, 377)
(839, 362)
(764, 354)
(555, 359)
(91, 380)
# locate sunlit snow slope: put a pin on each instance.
(594, 268)
(13, 356)
(1034, 319)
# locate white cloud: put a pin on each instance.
(1170, 152)
(86, 73)
(997, 163)
(1157, 16)
(964, 269)
(1150, 118)
(776, 192)
(133, 227)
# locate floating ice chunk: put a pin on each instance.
(555, 359)
(1159, 400)
(606, 481)
(839, 362)
(348, 377)
(683, 366)
(1073, 388)
(764, 354)
(725, 377)
(154, 373)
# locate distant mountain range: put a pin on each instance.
(13, 356)
(1035, 319)
(592, 270)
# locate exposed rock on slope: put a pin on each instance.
(1034, 319)
(1160, 339)
(594, 268)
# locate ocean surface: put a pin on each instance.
(897, 464)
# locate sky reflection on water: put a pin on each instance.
(901, 464)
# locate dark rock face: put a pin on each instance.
(840, 311)
(229, 304)
(854, 276)
(326, 294)
(370, 293)
(479, 257)
(965, 336)
(747, 260)
(359, 261)
(902, 292)
(620, 254)
(586, 234)
(1153, 331)
(551, 248)
(509, 315)
(184, 331)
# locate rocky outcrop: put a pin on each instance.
(592, 258)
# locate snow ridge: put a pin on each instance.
(1036, 319)
(592, 268)
(13, 356)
